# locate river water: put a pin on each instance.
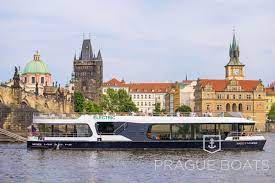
(17, 164)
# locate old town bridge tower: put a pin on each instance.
(88, 72)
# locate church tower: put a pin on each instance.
(234, 69)
(88, 72)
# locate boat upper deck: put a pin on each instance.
(93, 118)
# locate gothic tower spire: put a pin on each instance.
(234, 68)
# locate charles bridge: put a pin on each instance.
(17, 106)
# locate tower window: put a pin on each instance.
(42, 80)
(33, 79)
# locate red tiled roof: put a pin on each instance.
(270, 91)
(115, 82)
(150, 87)
(221, 85)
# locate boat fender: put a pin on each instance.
(99, 139)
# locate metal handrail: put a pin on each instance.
(12, 135)
(178, 114)
(121, 128)
(54, 134)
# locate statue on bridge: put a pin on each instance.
(16, 78)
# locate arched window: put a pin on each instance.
(240, 107)
(234, 107)
(24, 105)
(227, 107)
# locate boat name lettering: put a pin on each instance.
(104, 117)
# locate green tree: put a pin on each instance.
(91, 107)
(157, 108)
(183, 108)
(78, 102)
(271, 114)
(117, 101)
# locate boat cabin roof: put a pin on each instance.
(144, 119)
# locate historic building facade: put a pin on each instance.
(233, 94)
(270, 95)
(115, 85)
(88, 72)
(144, 95)
(181, 94)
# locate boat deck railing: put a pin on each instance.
(244, 133)
(177, 114)
(58, 134)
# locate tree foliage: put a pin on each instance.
(117, 101)
(183, 108)
(79, 102)
(157, 108)
(271, 114)
(91, 107)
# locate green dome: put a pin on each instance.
(36, 66)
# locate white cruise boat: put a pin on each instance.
(142, 132)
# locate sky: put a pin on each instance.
(140, 41)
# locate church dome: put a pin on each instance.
(36, 66)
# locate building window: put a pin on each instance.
(137, 96)
(134, 96)
(25, 79)
(219, 96)
(248, 97)
(228, 97)
(149, 104)
(219, 107)
(208, 107)
(42, 80)
(259, 96)
(137, 103)
(149, 96)
(145, 103)
(240, 96)
(141, 103)
(141, 96)
(248, 107)
(145, 96)
(234, 96)
(227, 107)
(33, 79)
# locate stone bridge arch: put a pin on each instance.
(24, 104)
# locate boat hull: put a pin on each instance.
(168, 145)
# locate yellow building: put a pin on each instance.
(270, 96)
(233, 94)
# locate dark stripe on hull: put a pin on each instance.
(238, 145)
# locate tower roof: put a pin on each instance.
(86, 51)
(36, 66)
(234, 53)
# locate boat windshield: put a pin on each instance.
(110, 128)
(193, 131)
(61, 130)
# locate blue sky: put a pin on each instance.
(140, 40)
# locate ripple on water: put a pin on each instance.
(17, 164)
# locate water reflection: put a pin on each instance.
(17, 164)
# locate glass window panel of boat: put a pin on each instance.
(71, 130)
(60, 131)
(48, 130)
(225, 129)
(83, 130)
(181, 131)
(248, 127)
(159, 132)
(109, 128)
